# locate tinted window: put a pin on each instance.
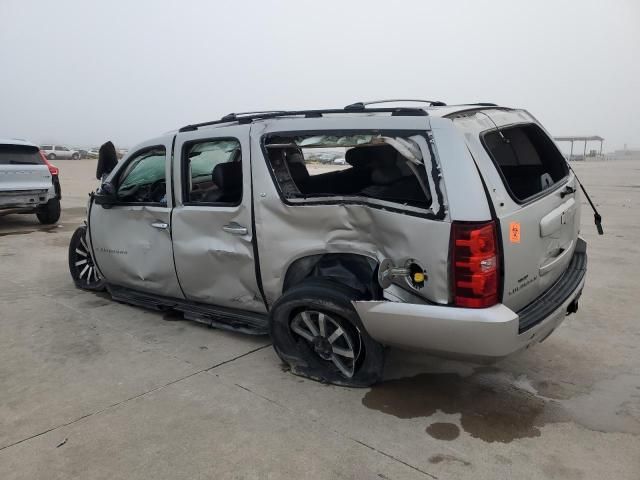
(527, 158)
(46, 147)
(144, 178)
(20, 155)
(213, 172)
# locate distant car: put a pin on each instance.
(339, 161)
(92, 153)
(28, 182)
(53, 152)
(121, 152)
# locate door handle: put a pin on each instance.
(160, 225)
(234, 229)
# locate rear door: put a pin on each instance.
(212, 221)
(536, 201)
(22, 169)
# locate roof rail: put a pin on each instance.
(248, 117)
(362, 105)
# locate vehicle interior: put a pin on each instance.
(373, 170)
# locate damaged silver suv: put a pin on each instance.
(451, 229)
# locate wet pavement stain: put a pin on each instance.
(489, 410)
(439, 458)
(443, 431)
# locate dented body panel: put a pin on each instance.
(363, 229)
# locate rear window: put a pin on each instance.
(46, 147)
(20, 155)
(527, 159)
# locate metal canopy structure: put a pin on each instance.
(585, 139)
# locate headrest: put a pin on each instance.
(228, 176)
(367, 156)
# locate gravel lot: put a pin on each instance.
(93, 389)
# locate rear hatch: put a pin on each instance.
(536, 202)
(22, 169)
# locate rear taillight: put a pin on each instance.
(475, 264)
(53, 170)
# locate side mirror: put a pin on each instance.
(106, 195)
(107, 160)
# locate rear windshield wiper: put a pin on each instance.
(597, 219)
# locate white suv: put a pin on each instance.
(60, 151)
(28, 183)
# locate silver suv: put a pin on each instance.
(54, 152)
(451, 229)
(28, 183)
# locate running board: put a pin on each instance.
(218, 317)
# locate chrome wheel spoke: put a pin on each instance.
(343, 352)
(86, 267)
(90, 273)
(86, 249)
(341, 366)
(80, 252)
(322, 324)
(303, 333)
(309, 323)
(80, 262)
(335, 335)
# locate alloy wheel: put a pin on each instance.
(331, 341)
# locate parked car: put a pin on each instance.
(53, 152)
(453, 230)
(92, 153)
(28, 182)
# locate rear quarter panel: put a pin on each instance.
(286, 233)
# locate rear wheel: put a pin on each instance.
(49, 213)
(51, 156)
(75, 156)
(81, 266)
(316, 330)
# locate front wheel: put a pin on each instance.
(81, 266)
(75, 156)
(51, 156)
(49, 213)
(316, 330)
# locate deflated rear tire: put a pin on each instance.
(50, 212)
(317, 332)
(83, 271)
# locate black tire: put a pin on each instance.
(51, 156)
(83, 270)
(307, 357)
(75, 156)
(49, 213)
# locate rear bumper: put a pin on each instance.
(488, 333)
(25, 199)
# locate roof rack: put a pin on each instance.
(248, 117)
(362, 105)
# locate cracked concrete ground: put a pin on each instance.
(93, 389)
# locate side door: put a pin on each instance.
(62, 152)
(212, 221)
(132, 239)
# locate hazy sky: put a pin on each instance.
(80, 72)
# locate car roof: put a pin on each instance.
(16, 141)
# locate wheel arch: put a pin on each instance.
(353, 270)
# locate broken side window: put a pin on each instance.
(366, 166)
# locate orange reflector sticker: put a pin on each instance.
(514, 232)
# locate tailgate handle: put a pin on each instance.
(553, 263)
